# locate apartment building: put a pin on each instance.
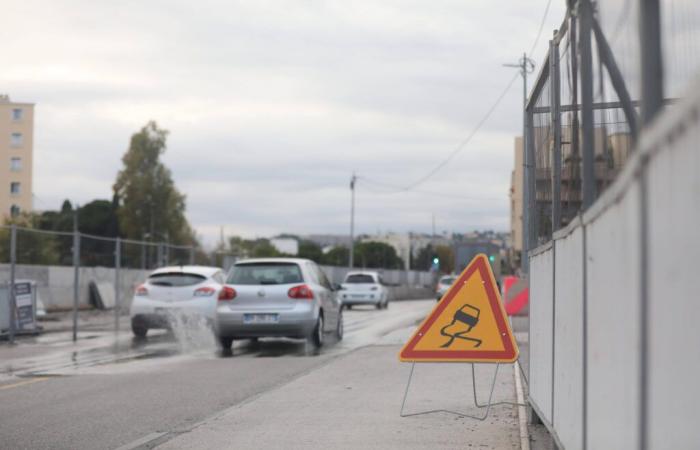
(16, 156)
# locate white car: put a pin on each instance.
(444, 285)
(364, 288)
(171, 292)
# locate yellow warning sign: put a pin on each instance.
(469, 324)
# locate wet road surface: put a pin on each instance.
(105, 392)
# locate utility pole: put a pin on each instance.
(526, 65)
(352, 221)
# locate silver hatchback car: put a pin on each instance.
(277, 297)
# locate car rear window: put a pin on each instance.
(265, 273)
(448, 280)
(177, 279)
(360, 278)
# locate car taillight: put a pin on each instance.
(301, 292)
(204, 292)
(141, 290)
(227, 293)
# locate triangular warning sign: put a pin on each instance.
(468, 325)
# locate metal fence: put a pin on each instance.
(75, 271)
(584, 112)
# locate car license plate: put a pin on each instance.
(357, 296)
(165, 311)
(260, 318)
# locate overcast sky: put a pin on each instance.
(272, 105)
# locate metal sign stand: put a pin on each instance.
(476, 401)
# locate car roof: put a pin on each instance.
(273, 260)
(364, 272)
(206, 271)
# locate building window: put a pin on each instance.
(16, 139)
(14, 211)
(16, 164)
(17, 114)
(14, 188)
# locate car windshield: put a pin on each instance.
(359, 278)
(265, 273)
(175, 279)
(447, 280)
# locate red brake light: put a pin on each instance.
(205, 291)
(301, 292)
(141, 290)
(227, 293)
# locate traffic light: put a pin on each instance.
(492, 258)
(436, 260)
(436, 264)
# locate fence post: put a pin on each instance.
(555, 93)
(76, 273)
(192, 255)
(159, 255)
(585, 14)
(117, 282)
(11, 291)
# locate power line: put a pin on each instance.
(539, 32)
(398, 189)
(462, 144)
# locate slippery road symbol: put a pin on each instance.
(464, 320)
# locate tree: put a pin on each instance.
(310, 250)
(149, 203)
(377, 255)
(32, 247)
(445, 254)
(337, 256)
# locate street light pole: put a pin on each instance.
(352, 221)
(526, 65)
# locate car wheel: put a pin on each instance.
(348, 306)
(380, 305)
(226, 342)
(317, 335)
(139, 330)
(339, 328)
(386, 304)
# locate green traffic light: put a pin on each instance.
(436, 260)
(492, 258)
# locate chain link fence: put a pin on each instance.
(74, 271)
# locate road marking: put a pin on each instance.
(23, 383)
(522, 411)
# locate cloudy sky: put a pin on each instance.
(271, 105)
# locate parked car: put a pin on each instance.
(277, 297)
(186, 290)
(364, 288)
(444, 284)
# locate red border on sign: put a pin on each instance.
(508, 352)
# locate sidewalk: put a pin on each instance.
(354, 402)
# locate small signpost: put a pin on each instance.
(25, 308)
(468, 325)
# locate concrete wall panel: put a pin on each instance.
(674, 304)
(613, 280)
(541, 307)
(568, 339)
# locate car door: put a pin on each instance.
(331, 303)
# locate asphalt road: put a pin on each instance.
(107, 392)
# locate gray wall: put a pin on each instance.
(592, 347)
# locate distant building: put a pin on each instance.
(466, 251)
(16, 156)
(329, 240)
(408, 245)
(288, 246)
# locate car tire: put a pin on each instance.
(226, 343)
(348, 306)
(316, 337)
(339, 329)
(380, 305)
(139, 330)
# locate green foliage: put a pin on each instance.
(424, 259)
(252, 248)
(310, 250)
(150, 204)
(32, 248)
(377, 255)
(337, 256)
